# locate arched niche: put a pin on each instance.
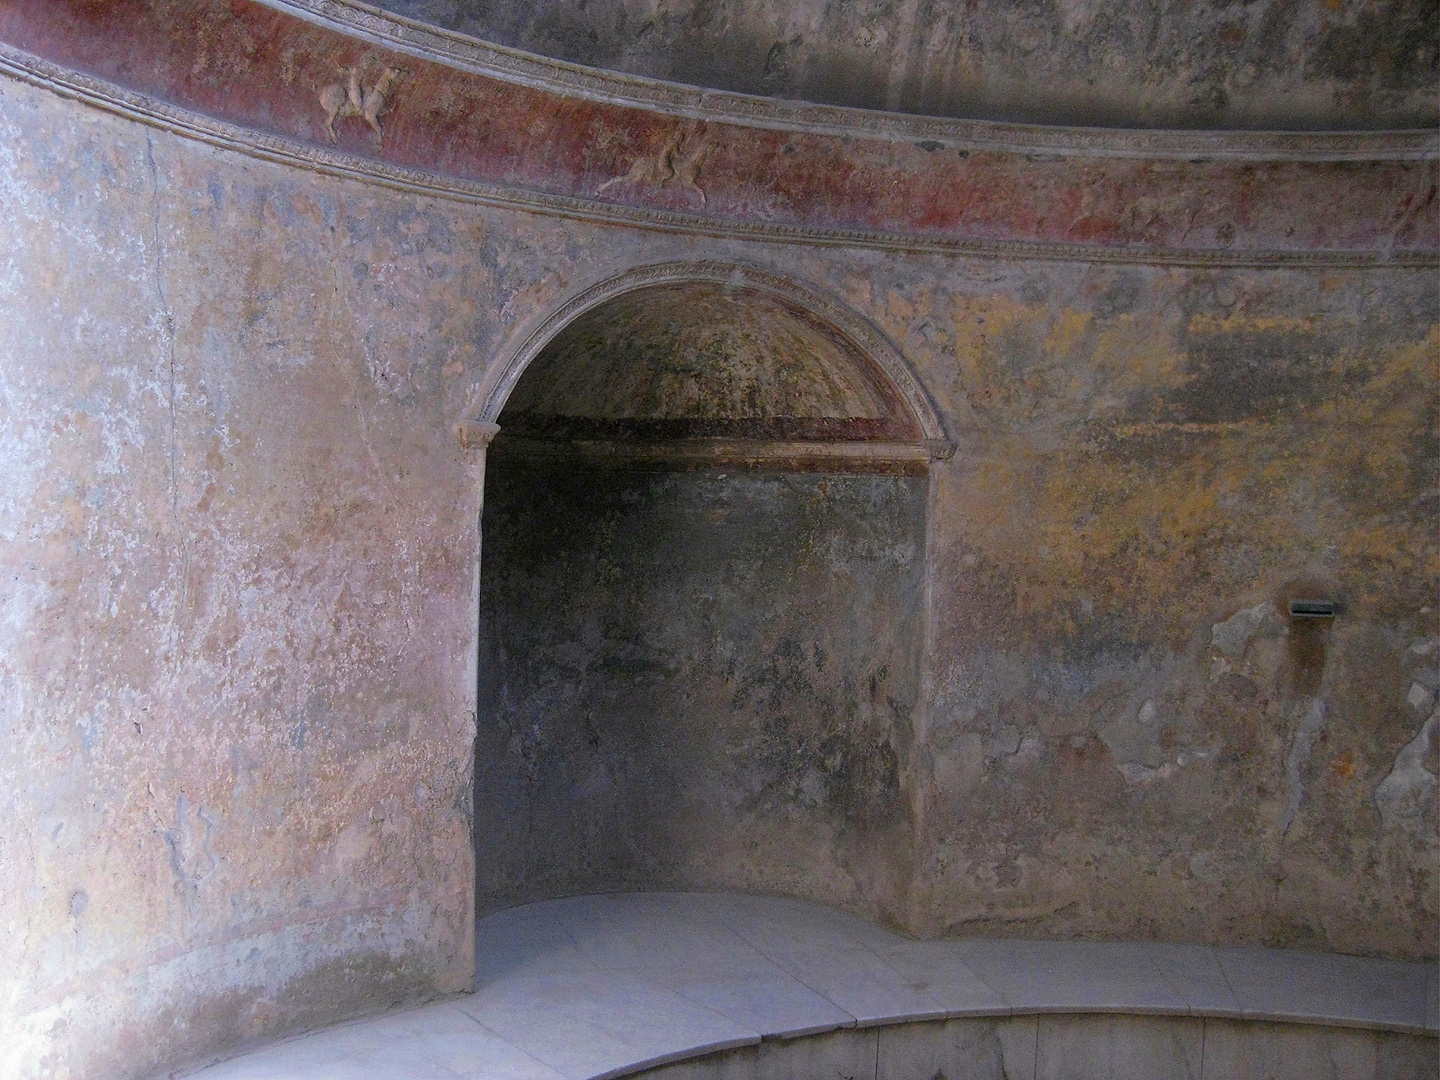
(702, 600)
(878, 362)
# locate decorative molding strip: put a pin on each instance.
(866, 339)
(677, 99)
(707, 453)
(26, 67)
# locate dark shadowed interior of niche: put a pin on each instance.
(701, 609)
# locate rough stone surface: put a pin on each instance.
(696, 680)
(239, 595)
(1271, 63)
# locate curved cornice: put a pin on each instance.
(719, 106)
(254, 78)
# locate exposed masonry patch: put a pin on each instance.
(1307, 732)
(1406, 797)
(1231, 636)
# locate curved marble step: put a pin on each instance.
(604, 986)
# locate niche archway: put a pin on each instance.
(702, 594)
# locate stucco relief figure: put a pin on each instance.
(671, 165)
(352, 99)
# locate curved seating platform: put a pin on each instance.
(735, 986)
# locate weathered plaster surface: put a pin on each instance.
(1122, 733)
(1144, 456)
(1215, 64)
(238, 548)
(239, 544)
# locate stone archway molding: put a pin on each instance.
(839, 318)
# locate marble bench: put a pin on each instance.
(746, 988)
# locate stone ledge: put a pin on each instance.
(604, 986)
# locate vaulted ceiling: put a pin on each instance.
(702, 359)
(1312, 64)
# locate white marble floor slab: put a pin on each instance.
(1274, 984)
(592, 1025)
(1073, 976)
(591, 987)
(433, 1042)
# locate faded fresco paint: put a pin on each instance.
(244, 62)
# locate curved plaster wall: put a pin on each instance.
(240, 542)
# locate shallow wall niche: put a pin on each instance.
(701, 609)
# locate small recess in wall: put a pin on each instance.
(1312, 609)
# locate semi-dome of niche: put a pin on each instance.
(1277, 64)
(706, 360)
